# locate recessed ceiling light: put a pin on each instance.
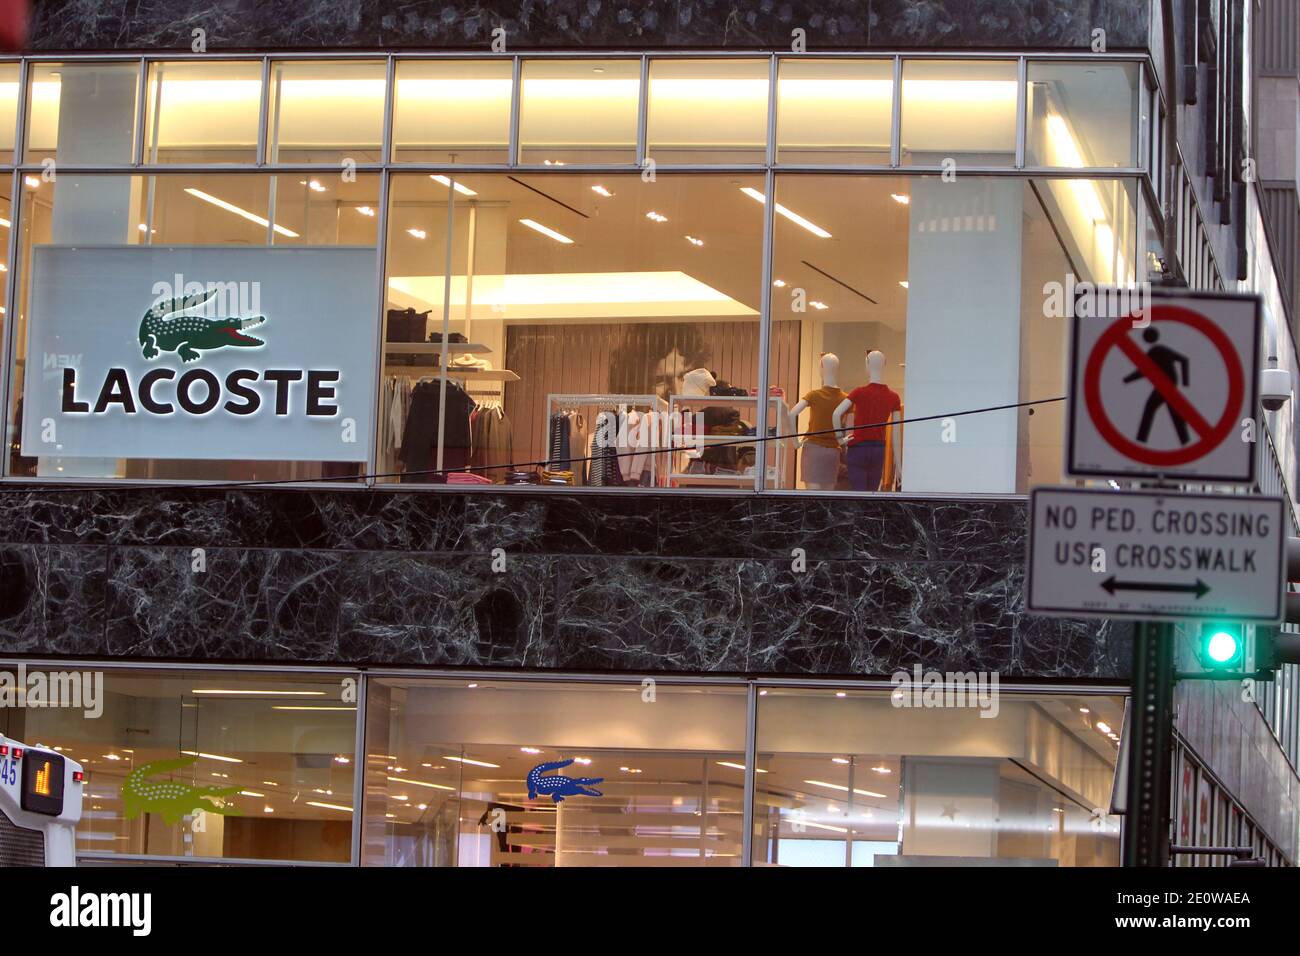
(1084, 710)
(548, 162)
(418, 233)
(196, 753)
(222, 692)
(819, 306)
(546, 231)
(365, 211)
(779, 283)
(601, 190)
(527, 750)
(1103, 726)
(656, 217)
(882, 770)
(476, 763)
(903, 283)
(32, 181)
(738, 766)
(839, 760)
(900, 198)
(836, 786)
(695, 242)
(794, 217)
(459, 187)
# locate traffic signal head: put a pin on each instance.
(1222, 647)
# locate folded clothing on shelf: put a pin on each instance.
(455, 338)
(467, 478)
(522, 478)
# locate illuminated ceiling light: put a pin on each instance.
(838, 693)
(656, 217)
(695, 242)
(197, 753)
(1084, 710)
(268, 810)
(112, 757)
(314, 185)
(585, 761)
(836, 786)
(530, 750)
(538, 227)
(231, 207)
(903, 283)
(417, 233)
(142, 227)
(1103, 727)
(269, 783)
(471, 686)
(819, 306)
(251, 793)
(779, 283)
(476, 763)
(341, 759)
(794, 217)
(459, 187)
(5, 223)
(366, 211)
(548, 162)
(32, 182)
(900, 198)
(762, 693)
(601, 190)
(328, 806)
(310, 707)
(882, 770)
(421, 783)
(821, 826)
(839, 760)
(261, 693)
(738, 766)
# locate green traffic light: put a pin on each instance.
(1222, 647)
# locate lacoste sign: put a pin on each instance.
(286, 373)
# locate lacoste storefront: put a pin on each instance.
(270, 767)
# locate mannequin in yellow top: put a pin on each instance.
(820, 454)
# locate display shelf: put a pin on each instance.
(435, 348)
(778, 419)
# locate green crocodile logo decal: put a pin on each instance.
(168, 328)
(168, 797)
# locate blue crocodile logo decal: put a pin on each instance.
(560, 786)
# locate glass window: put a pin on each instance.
(1083, 114)
(83, 112)
(579, 111)
(200, 112)
(834, 111)
(326, 112)
(266, 762)
(501, 773)
(452, 111)
(959, 110)
(708, 111)
(209, 326)
(589, 317)
(866, 778)
(9, 74)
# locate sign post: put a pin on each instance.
(1161, 394)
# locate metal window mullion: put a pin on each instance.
(22, 109)
(764, 332)
(517, 67)
(896, 116)
(381, 266)
(774, 65)
(263, 114)
(359, 767)
(643, 113)
(1022, 109)
(141, 98)
(10, 299)
(390, 104)
(751, 773)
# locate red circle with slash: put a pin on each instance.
(1211, 435)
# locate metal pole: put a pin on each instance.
(1146, 822)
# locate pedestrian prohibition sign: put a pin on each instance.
(1165, 391)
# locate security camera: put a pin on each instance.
(1274, 388)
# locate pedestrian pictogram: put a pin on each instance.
(1167, 393)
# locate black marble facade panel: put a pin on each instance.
(452, 610)
(576, 24)
(641, 614)
(52, 599)
(223, 604)
(650, 583)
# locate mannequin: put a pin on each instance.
(875, 405)
(820, 454)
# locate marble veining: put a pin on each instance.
(581, 24)
(655, 582)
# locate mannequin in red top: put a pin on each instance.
(874, 406)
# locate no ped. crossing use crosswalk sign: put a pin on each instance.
(1165, 389)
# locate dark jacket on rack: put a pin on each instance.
(423, 423)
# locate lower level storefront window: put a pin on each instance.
(260, 767)
(874, 778)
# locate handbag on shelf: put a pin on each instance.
(406, 325)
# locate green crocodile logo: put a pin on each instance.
(168, 328)
(168, 797)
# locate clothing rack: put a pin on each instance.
(557, 402)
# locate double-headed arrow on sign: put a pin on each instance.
(1200, 588)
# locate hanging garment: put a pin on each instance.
(635, 457)
(492, 443)
(603, 470)
(426, 420)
